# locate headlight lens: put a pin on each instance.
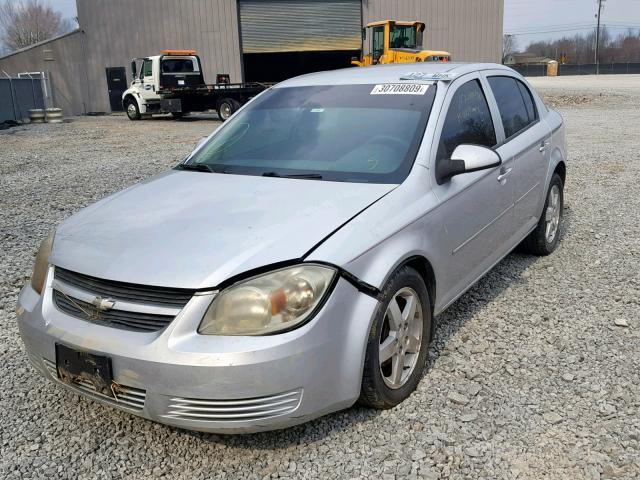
(42, 264)
(268, 303)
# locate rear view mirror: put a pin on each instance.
(133, 69)
(465, 159)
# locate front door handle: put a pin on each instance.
(504, 173)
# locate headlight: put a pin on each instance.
(268, 303)
(42, 264)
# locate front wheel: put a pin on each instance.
(398, 341)
(545, 237)
(133, 112)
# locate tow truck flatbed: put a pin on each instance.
(174, 83)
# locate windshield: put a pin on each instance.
(179, 65)
(338, 133)
(403, 36)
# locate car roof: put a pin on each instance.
(389, 73)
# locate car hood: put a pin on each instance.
(195, 229)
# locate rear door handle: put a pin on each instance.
(504, 173)
(544, 145)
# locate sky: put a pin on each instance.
(531, 20)
(534, 20)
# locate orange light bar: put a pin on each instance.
(178, 52)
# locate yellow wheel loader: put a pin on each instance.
(393, 41)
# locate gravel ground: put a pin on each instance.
(534, 373)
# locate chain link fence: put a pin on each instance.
(584, 69)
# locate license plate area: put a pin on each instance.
(77, 367)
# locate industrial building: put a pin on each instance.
(250, 40)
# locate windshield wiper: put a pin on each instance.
(304, 176)
(198, 167)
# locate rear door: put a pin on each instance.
(116, 84)
(526, 139)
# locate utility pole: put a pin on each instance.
(598, 36)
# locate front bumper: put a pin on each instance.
(212, 383)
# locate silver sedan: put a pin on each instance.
(294, 263)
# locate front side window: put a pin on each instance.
(377, 48)
(468, 121)
(516, 110)
(338, 133)
(403, 36)
(147, 68)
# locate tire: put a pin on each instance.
(132, 109)
(227, 107)
(540, 241)
(379, 390)
(177, 115)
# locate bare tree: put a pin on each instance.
(509, 46)
(25, 22)
(580, 48)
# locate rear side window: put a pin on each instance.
(515, 104)
(528, 101)
(468, 121)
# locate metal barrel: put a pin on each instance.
(36, 115)
(54, 115)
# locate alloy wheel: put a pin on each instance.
(400, 338)
(552, 214)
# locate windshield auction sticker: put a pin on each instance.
(399, 89)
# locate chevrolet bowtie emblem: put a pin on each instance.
(103, 304)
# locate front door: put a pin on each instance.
(117, 84)
(476, 208)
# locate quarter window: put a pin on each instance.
(515, 104)
(468, 121)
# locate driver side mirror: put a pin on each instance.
(133, 69)
(465, 159)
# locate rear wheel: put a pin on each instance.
(177, 115)
(398, 341)
(227, 107)
(544, 239)
(131, 107)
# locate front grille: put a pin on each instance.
(234, 410)
(127, 397)
(140, 308)
(129, 292)
(141, 322)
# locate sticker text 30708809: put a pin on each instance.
(399, 89)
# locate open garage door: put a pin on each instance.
(285, 38)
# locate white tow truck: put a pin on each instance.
(172, 82)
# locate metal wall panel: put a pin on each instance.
(118, 30)
(471, 30)
(300, 25)
(62, 58)
(115, 31)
